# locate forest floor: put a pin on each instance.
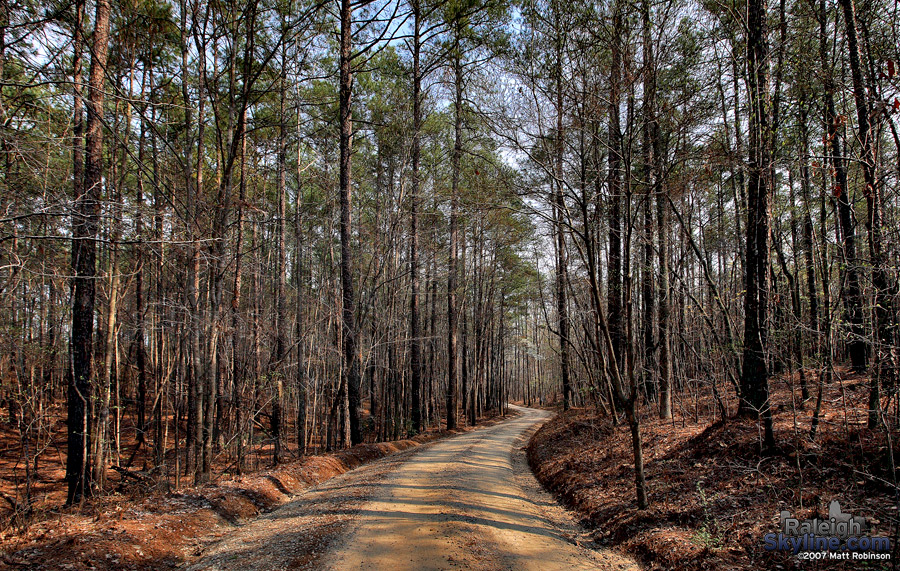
(141, 527)
(713, 495)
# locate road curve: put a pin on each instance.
(466, 502)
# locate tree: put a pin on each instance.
(85, 222)
(562, 261)
(882, 313)
(652, 153)
(852, 296)
(415, 333)
(350, 365)
(453, 263)
(754, 374)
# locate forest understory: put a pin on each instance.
(141, 526)
(713, 494)
(236, 233)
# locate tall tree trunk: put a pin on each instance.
(740, 199)
(452, 271)
(852, 296)
(281, 340)
(350, 368)
(614, 182)
(140, 333)
(301, 376)
(562, 261)
(885, 352)
(238, 361)
(193, 181)
(432, 328)
(665, 297)
(109, 358)
(663, 361)
(84, 252)
(76, 401)
(754, 374)
(468, 385)
(415, 342)
(649, 135)
(807, 239)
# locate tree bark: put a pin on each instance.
(452, 314)
(281, 330)
(614, 182)
(650, 147)
(852, 295)
(562, 261)
(350, 366)
(807, 239)
(415, 334)
(84, 252)
(76, 401)
(885, 352)
(754, 375)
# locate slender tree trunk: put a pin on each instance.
(885, 352)
(140, 334)
(468, 382)
(432, 329)
(84, 252)
(793, 278)
(614, 182)
(665, 296)
(350, 366)
(452, 313)
(649, 134)
(562, 261)
(76, 400)
(740, 199)
(807, 240)
(755, 375)
(415, 334)
(101, 444)
(852, 296)
(193, 181)
(281, 331)
(465, 389)
(637, 450)
(238, 361)
(301, 376)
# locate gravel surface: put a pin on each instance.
(466, 502)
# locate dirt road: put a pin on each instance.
(467, 502)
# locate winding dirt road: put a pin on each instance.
(467, 502)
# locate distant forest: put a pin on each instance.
(235, 232)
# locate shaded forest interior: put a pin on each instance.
(232, 233)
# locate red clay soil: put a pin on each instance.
(713, 495)
(163, 531)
